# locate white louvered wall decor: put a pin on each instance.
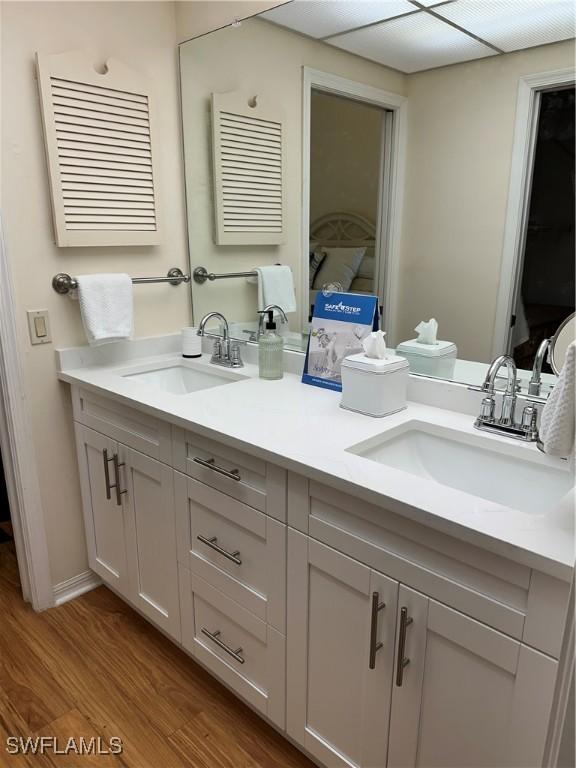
(249, 155)
(100, 150)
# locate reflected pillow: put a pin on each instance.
(339, 266)
(316, 259)
(367, 268)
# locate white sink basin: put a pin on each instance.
(180, 379)
(499, 472)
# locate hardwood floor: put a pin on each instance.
(94, 668)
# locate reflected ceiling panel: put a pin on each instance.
(413, 43)
(322, 18)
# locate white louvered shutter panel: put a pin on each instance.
(249, 170)
(100, 150)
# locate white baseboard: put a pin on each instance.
(76, 586)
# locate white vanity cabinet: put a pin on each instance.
(447, 687)
(381, 675)
(201, 553)
(129, 515)
(373, 640)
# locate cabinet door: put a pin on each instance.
(151, 539)
(466, 695)
(338, 702)
(103, 518)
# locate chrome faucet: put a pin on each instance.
(262, 318)
(535, 385)
(506, 424)
(225, 352)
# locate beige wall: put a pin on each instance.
(345, 144)
(460, 135)
(142, 34)
(241, 59)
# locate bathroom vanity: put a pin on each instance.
(377, 614)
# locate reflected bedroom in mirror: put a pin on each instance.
(333, 152)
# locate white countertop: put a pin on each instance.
(302, 428)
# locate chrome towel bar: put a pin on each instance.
(63, 283)
(201, 274)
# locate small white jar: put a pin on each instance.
(374, 387)
(191, 343)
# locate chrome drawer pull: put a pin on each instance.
(233, 474)
(403, 662)
(117, 465)
(375, 646)
(107, 474)
(215, 637)
(212, 543)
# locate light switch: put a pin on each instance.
(39, 326)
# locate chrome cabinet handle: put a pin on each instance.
(375, 646)
(233, 474)
(233, 556)
(215, 637)
(402, 661)
(107, 474)
(116, 485)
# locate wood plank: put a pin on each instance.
(96, 668)
(73, 725)
(26, 684)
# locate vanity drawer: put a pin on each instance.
(129, 426)
(250, 480)
(233, 547)
(244, 652)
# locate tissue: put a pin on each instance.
(374, 345)
(427, 332)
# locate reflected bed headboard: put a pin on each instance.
(342, 230)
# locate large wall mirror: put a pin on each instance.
(421, 152)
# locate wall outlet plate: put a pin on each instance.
(39, 326)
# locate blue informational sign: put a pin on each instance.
(341, 321)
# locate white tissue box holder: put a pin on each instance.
(374, 387)
(437, 360)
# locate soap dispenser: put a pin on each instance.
(270, 351)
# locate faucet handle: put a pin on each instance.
(217, 350)
(235, 356)
(529, 417)
(487, 408)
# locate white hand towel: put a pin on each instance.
(106, 307)
(557, 427)
(276, 286)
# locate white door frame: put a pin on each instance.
(527, 112)
(18, 455)
(390, 206)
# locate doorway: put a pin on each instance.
(370, 238)
(6, 532)
(9, 569)
(545, 282)
(347, 157)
